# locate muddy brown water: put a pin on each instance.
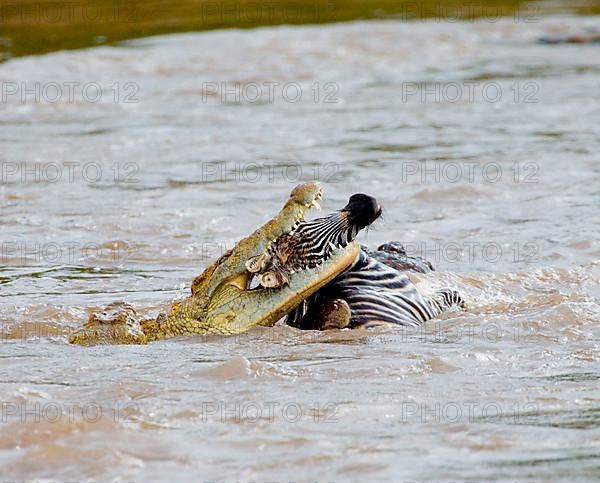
(481, 143)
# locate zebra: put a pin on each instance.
(370, 293)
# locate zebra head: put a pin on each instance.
(317, 239)
(313, 242)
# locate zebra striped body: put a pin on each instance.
(377, 295)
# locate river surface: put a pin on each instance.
(480, 142)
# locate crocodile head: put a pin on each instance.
(224, 299)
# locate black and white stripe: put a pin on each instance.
(379, 295)
(318, 238)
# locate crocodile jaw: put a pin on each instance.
(240, 310)
(220, 302)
